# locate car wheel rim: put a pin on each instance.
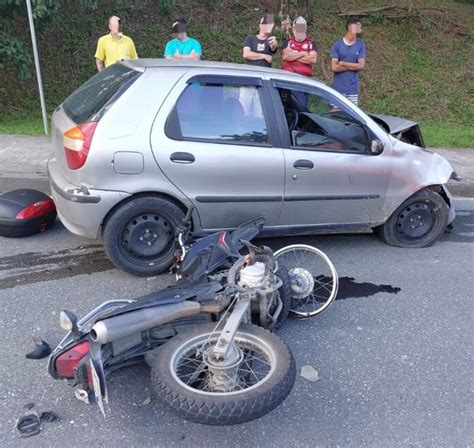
(415, 221)
(147, 236)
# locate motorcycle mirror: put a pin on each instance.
(68, 321)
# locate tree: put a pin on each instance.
(13, 48)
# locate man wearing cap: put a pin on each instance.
(182, 46)
(347, 60)
(299, 54)
(259, 49)
(114, 46)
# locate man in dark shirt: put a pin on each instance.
(259, 49)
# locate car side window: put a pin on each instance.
(219, 113)
(319, 123)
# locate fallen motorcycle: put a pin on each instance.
(208, 339)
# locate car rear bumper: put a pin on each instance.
(81, 209)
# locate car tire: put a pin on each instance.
(419, 222)
(140, 236)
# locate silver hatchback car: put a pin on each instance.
(142, 141)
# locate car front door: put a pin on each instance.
(213, 139)
(332, 178)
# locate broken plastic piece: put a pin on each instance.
(41, 350)
(147, 401)
(29, 424)
(310, 373)
(49, 417)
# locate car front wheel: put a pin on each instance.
(139, 237)
(419, 222)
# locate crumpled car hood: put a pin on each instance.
(405, 130)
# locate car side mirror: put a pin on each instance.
(376, 147)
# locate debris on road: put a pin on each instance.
(29, 424)
(147, 401)
(49, 417)
(41, 350)
(310, 373)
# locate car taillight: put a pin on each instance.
(68, 361)
(77, 142)
(39, 208)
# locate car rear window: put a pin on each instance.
(92, 96)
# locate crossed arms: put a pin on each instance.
(341, 66)
(193, 56)
(306, 57)
(254, 56)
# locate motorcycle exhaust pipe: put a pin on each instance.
(124, 325)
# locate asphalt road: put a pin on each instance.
(394, 353)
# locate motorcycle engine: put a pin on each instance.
(267, 306)
(253, 276)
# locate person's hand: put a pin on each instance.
(177, 55)
(268, 58)
(272, 41)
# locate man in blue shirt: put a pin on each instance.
(182, 46)
(347, 60)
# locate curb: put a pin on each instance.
(461, 189)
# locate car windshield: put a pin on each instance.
(89, 99)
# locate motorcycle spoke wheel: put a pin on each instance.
(314, 280)
(252, 382)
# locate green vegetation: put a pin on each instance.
(441, 135)
(419, 67)
(21, 123)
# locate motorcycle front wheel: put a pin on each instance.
(260, 377)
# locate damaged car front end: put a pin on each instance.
(402, 129)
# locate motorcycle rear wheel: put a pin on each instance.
(263, 378)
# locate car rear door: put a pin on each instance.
(214, 140)
(331, 177)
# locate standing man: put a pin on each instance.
(347, 60)
(114, 46)
(299, 54)
(182, 46)
(259, 49)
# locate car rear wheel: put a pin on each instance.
(139, 236)
(419, 222)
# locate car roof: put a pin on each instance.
(258, 70)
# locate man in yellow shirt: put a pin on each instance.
(114, 46)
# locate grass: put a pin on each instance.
(22, 124)
(415, 69)
(436, 135)
(445, 135)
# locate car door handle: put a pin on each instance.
(182, 157)
(303, 165)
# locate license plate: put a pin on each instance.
(97, 389)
